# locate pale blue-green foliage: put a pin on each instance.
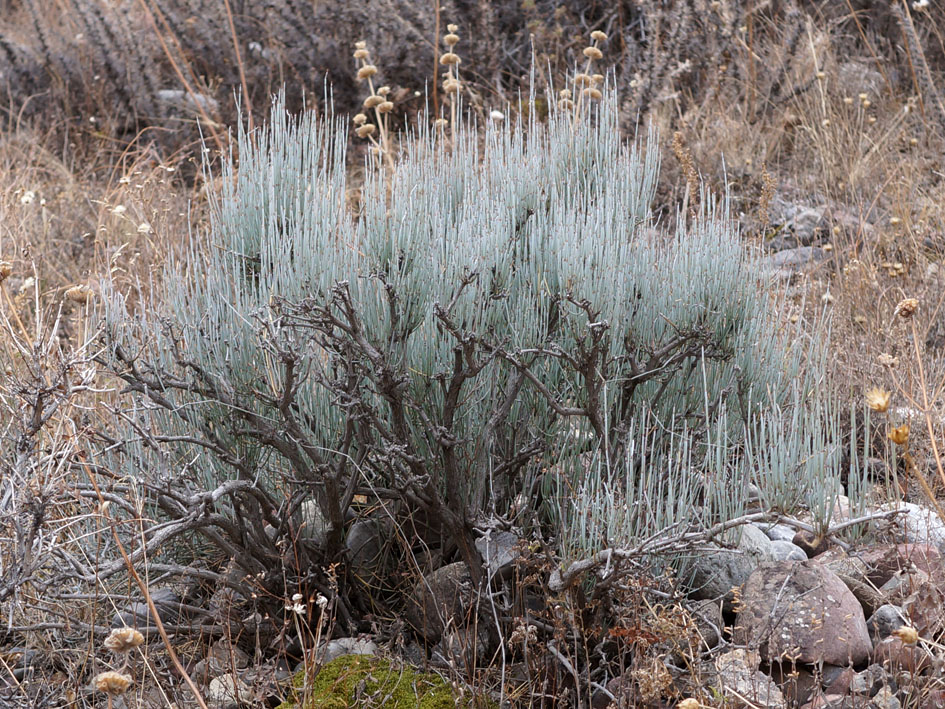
(538, 212)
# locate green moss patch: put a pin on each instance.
(369, 681)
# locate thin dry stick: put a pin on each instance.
(239, 62)
(436, 55)
(927, 412)
(144, 589)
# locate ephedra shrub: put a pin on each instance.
(500, 327)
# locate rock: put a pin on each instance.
(345, 646)
(709, 623)
(925, 609)
(797, 683)
(312, 523)
(884, 621)
(885, 561)
(801, 611)
(829, 701)
(895, 656)
(868, 682)
(786, 551)
(738, 679)
(854, 572)
(885, 698)
(138, 614)
(441, 599)
(793, 260)
(368, 545)
(779, 532)
(715, 574)
(498, 549)
(902, 584)
(228, 689)
(919, 525)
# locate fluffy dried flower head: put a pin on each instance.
(360, 119)
(384, 90)
(451, 39)
(372, 101)
(6, 268)
(899, 435)
(598, 78)
(907, 635)
(566, 104)
(112, 683)
(79, 294)
(583, 79)
(598, 36)
(367, 71)
(385, 107)
(449, 59)
(452, 28)
(122, 640)
(593, 93)
(907, 307)
(564, 93)
(887, 360)
(361, 54)
(689, 703)
(365, 130)
(360, 45)
(593, 53)
(877, 399)
(451, 86)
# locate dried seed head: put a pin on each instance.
(566, 104)
(899, 435)
(384, 90)
(598, 36)
(593, 93)
(907, 307)
(593, 53)
(112, 683)
(360, 45)
(121, 640)
(367, 71)
(877, 399)
(564, 93)
(583, 79)
(887, 360)
(441, 123)
(451, 86)
(372, 101)
(907, 635)
(361, 54)
(452, 28)
(598, 78)
(451, 39)
(79, 294)
(365, 130)
(360, 119)
(689, 703)
(6, 268)
(385, 107)
(449, 59)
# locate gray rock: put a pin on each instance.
(227, 690)
(787, 551)
(715, 574)
(919, 525)
(802, 611)
(346, 646)
(498, 549)
(738, 679)
(314, 527)
(779, 532)
(441, 599)
(709, 622)
(794, 259)
(884, 621)
(368, 543)
(885, 698)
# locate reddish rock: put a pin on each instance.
(895, 656)
(885, 561)
(802, 612)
